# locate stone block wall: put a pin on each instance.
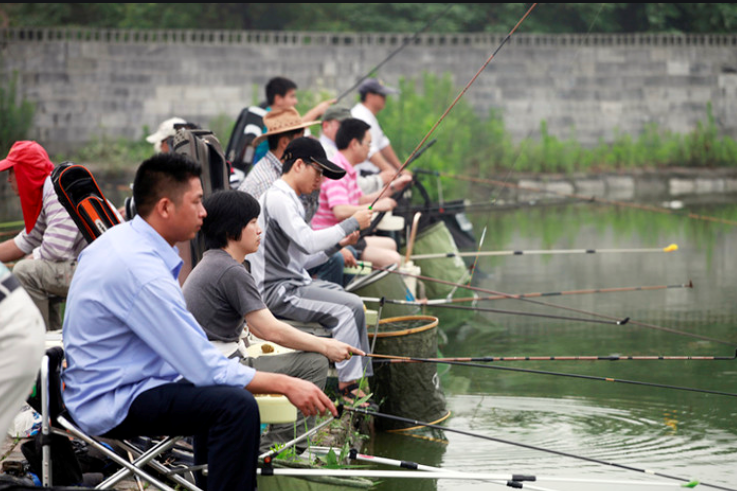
(88, 82)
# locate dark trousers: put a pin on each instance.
(223, 420)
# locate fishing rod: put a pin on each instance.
(670, 248)
(487, 359)
(455, 101)
(10, 232)
(268, 456)
(443, 301)
(391, 55)
(620, 322)
(686, 482)
(430, 303)
(375, 221)
(558, 374)
(594, 314)
(387, 474)
(590, 198)
(517, 478)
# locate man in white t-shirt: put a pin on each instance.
(373, 99)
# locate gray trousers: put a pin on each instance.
(300, 364)
(333, 307)
(22, 347)
(43, 279)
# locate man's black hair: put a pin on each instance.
(278, 86)
(228, 212)
(274, 139)
(349, 129)
(365, 93)
(163, 175)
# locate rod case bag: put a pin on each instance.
(203, 147)
(82, 198)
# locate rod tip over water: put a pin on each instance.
(623, 321)
(671, 248)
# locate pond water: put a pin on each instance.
(684, 434)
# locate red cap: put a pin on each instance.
(27, 152)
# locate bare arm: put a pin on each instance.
(306, 396)
(10, 252)
(265, 326)
(316, 112)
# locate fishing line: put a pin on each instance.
(455, 101)
(688, 482)
(558, 374)
(594, 314)
(401, 47)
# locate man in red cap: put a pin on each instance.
(50, 239)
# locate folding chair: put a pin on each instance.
(47, 400)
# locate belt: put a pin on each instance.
(7, 286)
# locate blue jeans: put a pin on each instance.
(331, 270)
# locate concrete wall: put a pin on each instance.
(88, 82)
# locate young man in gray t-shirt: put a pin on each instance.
(221, 293)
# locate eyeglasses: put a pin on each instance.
(317, 168)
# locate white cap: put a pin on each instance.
(166, 129)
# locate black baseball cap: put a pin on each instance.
(310, 150)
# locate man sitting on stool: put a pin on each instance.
(50, 238)
(138, 361)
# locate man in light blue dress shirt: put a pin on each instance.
(138, 361)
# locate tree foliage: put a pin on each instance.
(382, 17)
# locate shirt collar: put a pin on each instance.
(169, 254)
(275, 162)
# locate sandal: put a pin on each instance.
(353, 393)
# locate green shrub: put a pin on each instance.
(16, 114)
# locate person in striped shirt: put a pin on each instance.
(48, 246)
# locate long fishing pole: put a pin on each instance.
(455, 101)
(489, 359)
(387, 474)
(686, 482)
(443, 301)
(670, 248)
(620, 322)
(558, 374)
(594, 314)
(432, 302)
(517, 478)
(393, 53)
(592, 199)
